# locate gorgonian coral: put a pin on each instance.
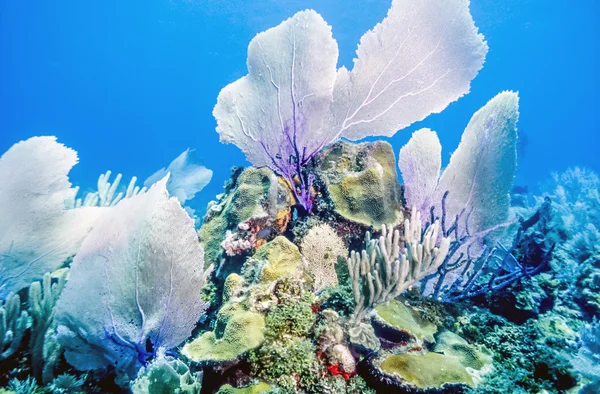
(293, 101)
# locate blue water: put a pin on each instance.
(131, 84)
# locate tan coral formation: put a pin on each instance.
(321, 248)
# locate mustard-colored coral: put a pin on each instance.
(244, 330)
(362, 182)
(282, 256)
(260, 387)
(232, 287)
(470, 356)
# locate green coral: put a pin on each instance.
(362, 182)
(289, 290)
(357, 385)
(243, 330)
(209, 293)
(295, 319)
(166, 375)
(405, 318)
(525, 360)
(240, 202)
(232, 287)
(282, 256)
(340, 299)
(430, 370)
(260, 387)
(278, 361)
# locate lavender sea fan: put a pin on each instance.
(471, 197)
(293, 101)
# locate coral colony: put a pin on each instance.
(315, 271)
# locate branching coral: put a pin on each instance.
(37, 320)
(13, 324)
(389, 266)
(107, 195)
(462, 275)
(42, 299)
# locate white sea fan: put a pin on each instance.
(420, 164)
(187, 176)
(482, 169)
(477, 180)
(293, 102)
(418, 60)
(285, 96)
(37, 232)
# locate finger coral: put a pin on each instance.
(389, 266)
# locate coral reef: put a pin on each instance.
(315, 271)
(251, 194)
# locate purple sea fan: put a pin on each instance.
(293, 101)
(134, 286)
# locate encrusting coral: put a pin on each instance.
(243, 331)
(362, 182)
